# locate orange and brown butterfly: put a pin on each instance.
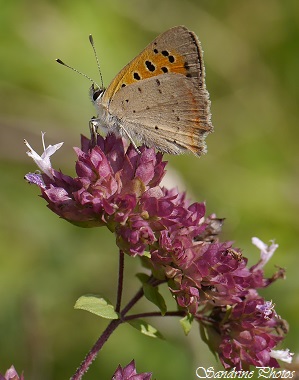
(160, 97)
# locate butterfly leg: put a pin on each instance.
(93, 131)
(130, 138)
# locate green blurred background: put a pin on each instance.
(250, 175)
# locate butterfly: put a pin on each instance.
(159, 99)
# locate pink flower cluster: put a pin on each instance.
(210, 280)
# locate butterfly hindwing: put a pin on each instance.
(167, 111)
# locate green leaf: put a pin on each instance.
(153, 295)
(186, 323)
(228, 312)
(146, 263)
(147, 254)
(145, 328)
(210, 337)
(145, 260)
(96, 305)
(142, 277)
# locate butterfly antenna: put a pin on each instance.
(96, 57)
(76, 71)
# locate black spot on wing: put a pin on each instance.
(150, 66)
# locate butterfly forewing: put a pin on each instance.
(177, 50)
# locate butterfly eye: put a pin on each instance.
(96, 92)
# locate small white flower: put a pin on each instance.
(283, 355)
(267, 309)
(43, 161)
(266, 251)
